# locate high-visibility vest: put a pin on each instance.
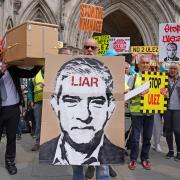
(136, 101)
(38, 90)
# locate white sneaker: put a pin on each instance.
(158, 148)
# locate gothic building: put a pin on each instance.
(138, 19)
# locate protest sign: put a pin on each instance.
(144, 49)
(91, 18)
(169, 42)
(77, 110)
(120, 44)
(103, 43)
(154, 101)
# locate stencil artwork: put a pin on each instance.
(83, 103)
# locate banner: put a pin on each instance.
(154, 101)
(103, 43)
(120, 44)
(91, 18)
(144, 49)
(169, 42)
(79, 117)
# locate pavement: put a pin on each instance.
(30, 169)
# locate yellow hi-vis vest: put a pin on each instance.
(38, 90)
(136, 101)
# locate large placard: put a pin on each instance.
(83, 110)
(154, 101)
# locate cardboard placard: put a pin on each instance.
(154, 101)
(144, 49)
(103, 43)
(169, 42)
(91, 110)
(91, 18)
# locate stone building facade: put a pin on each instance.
(138, 19)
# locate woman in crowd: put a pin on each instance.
(171, 117)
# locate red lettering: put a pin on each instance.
(73, 84)
(94, 81)
(85, 82)
(153, 99)
(158, 96)
(169, 38)
(170, 28)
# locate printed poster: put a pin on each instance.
(120, 44)
(169, 42)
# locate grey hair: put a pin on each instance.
(84, 66)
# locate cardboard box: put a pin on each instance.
(28, 43)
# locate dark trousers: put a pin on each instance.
(172, 125)
(140, 123)
(9, 118)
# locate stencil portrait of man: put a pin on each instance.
(83, 103)
(171, 50)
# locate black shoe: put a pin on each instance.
(11, 167)
(90, 172)
(177, 158)
(112, 173)
(170, 154)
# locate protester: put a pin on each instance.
(35, 98)
(140, 121)
(10, 98)
(171, 116)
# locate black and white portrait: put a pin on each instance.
(83, 103)
(171, 50)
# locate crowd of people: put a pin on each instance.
(143, 126)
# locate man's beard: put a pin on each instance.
(85, 148)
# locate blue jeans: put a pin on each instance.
(140, 123)
(102, 173)
(37, 116)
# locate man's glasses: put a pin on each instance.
(92, 47)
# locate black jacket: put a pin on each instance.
(17, 73)
(108, 154)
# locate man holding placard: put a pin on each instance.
(140, 121)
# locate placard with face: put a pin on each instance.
(83, 110)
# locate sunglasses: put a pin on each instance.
(92, 47)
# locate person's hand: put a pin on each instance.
(42, 85)
(164, 92)
(3, 66)
(144, 93)
(31, 104)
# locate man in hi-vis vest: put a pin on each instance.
(35, 98)
(140, 122)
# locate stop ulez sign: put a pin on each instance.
(119, 45)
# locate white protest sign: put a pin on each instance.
(120, 44)
(169, 42)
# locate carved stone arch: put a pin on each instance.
(9, 23)
(38, 10)
(146, 15)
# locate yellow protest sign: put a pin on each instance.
(154, 101)
(91, 18)
(144, 49)
(103, 43)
